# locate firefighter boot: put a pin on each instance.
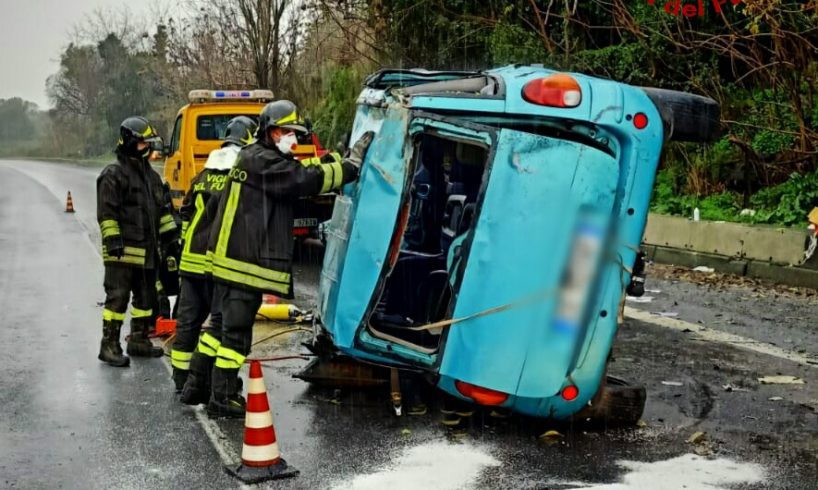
(226, 400)
(197, 387)
(139, 345)
(179, 377)
(109, 349)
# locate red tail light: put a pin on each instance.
(570, 393)
(559, 90)
(480, 395)
(640, 121)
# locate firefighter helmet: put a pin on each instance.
(134, 130)
(240, 131)
(279, 114)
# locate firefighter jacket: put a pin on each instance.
(198, 215)
(251, 242)
(131, 208)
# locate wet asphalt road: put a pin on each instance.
(68, 421)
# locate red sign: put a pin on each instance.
(695, 9)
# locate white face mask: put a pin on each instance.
(287, 143)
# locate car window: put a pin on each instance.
(177, 131)
(213, 126)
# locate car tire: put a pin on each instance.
(687, 117)
(616, 404)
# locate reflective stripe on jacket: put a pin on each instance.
(251, 242)
(197, 217)
(130, 205)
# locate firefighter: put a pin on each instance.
(251, 240)
(167, 281)
(135, 223)
(196, 293)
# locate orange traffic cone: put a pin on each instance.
(260, 458)
(69, 204)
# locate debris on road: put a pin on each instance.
(723, 281)
(551, 437)
(775, 398)
(697, 437)
(730, 387)
(701, 268)
(638, 299)
(672, 383)
(781, 380)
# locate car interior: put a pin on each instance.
(442, 204)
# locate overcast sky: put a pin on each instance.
(32, 34)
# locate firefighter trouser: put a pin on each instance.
(120, 282)
(162, 305)
(238, 307)
(194, 300)
(201, 364)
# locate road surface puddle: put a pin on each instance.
(438, 465)
(685, 472)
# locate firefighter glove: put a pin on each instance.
(173, 249)
(358, 153)
(114, 246)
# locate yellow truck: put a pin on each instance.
(199, 129)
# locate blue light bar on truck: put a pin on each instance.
(229, 95)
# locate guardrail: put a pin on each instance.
(760, 251)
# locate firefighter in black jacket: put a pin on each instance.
(196, 290)
(251, 241)
(135, 222)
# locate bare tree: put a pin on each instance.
(257, 33)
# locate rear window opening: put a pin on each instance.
(427, 249)
(213, 127)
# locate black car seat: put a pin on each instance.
(427, 200)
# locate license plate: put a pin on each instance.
(305, 222)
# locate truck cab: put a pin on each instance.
(200, 127)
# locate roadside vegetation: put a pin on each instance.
(757, 58)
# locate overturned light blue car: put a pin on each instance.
(491, 235)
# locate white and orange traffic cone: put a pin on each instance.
(69, 203)
(260, 458)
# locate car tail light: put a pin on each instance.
(480, 395)
(301, 231)
(559, 90)
(570, 393)
(640, 121)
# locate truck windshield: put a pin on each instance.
(212, 127)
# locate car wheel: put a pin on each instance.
(616, 404)
(687, 117)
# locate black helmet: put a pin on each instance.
(136, 129)
(240, 131)
(279, 114)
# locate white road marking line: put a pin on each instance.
(701, 332)
(214, 433)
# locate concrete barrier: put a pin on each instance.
(760, 251)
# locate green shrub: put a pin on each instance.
(787, 203)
